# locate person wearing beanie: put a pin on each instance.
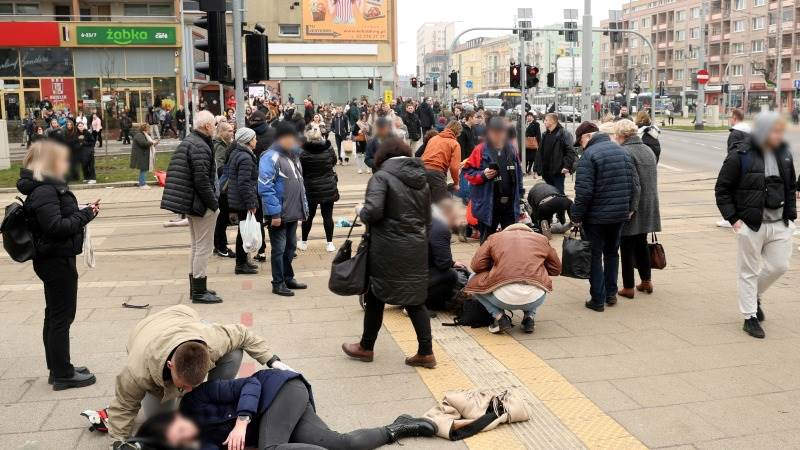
(755, 193)
(240, 181)
(265, 134)
(607, 194)
(318, 160)
(283, 197)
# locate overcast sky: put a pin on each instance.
(480, 13)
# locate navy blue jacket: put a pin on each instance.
(606, 184)
(242, 173)
(215, 405)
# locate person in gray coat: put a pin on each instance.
(647, 219)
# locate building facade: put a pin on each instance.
(433, 37)
(741, 50)
(497, 57)
(469, 57)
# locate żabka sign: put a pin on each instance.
(125, 35)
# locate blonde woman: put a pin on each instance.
(57, 224)
(143, 154)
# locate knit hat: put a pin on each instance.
(585, 127)
(244, 135)
(762, 125)
(285, 129)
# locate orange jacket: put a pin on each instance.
(443, 152)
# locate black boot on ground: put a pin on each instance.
(294, 284)
(406, 426)
(760, 313)
(527, 324)
(191, 287)
(753, 328)
(200, 294)
(78, 369)
(282, 290)
(246, 269)
(77, 380)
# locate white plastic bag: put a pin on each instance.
(251, 233)
(88, 248)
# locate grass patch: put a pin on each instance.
(691, 128)
(109, 170)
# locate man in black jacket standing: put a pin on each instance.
(191, 190)
(556, 155)
(755, 193)
(412, 122)
(426, 116)
(739, 131)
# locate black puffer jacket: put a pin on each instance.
(411, 121)
(242, 179)
(397, 211)
(318, 160)
(741, 184)
(191, 184)
(649, 137)
(555, 152)
(53, 214)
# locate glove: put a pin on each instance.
(280, 365)
(98, 420)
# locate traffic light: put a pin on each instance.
(371, 84)
(414, 82)
(216, 44)
(257, 53)
(551, 79)
(615, 36)
(515, 76)
(602, 88)
(532, 76)
(637, 89)
(453, 79)
(435, 84)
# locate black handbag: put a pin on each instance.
(349, 272)
(576, 256)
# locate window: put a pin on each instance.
(144, 9)
(737, 48)
(679, 55)
(739, 4)
(680, 16)
(758, 23)
(634, 43)
(679, 74)
(20, 9)
(645, 22)
(161, 10)
(738, 26)
(680, 35)
(757, 46)
(693, 53)
(62, 12)
(797, 66)
(695, 12)
(135, 9)
(694, 33)
(757, 3)
(736, 70)
(289, 30)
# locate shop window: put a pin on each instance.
(7, 8)
(62, 12)
(88, 94)
(11, 83)
(46, 62)
(289, 30)
(9, 62)
(26, 9)
(30, 83)
(164, 93)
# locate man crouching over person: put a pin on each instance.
(170, 353)
(512, 272)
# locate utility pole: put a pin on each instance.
(700, 107)
(779, 58)
(523, 80)
(586, 56)
(238, 70)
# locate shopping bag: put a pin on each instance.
(349, 272)
(88, 248)
(658, 258)
(250, 230)
(161, 176)
(576, 256)
(348, 147)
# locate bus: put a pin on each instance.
(509, 98)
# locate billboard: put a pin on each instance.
(569, 71)
(60, 92)
(346, 20)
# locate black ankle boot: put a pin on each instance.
(282, 290)
(191, 292)
(407, 426)
(77, 380)
(202, 295)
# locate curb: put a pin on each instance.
(84, 186)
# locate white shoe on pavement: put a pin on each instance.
(360, 171)
(145, 187)
(302, 245)
(330, 247)
(724, 224)
(91, 181)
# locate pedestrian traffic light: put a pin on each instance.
(602, 88)
(532, 76)
(216, 44)
(257, 53)
(371, 84)
(515, 76)
(551, 79)
(414, 82)
(435, 84)
(453, 79)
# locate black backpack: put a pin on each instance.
(471, 314)
(17, 236)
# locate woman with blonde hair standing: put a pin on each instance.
(57, 224)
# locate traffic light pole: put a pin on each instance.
(586, 60)
(700, 107)
(523, 83)
(238, 70)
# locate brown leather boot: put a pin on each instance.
(626, 292)
(427, 361)
(646, 286)
(356, 352)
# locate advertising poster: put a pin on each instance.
(60, 92)
(345, 20)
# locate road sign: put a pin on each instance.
(388, 96)
(703, 76)
(468, 84)
(797, 84)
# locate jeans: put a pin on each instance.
(634, 249)
(556, 181)
(605, 241)
(201, 232)
(283, 240)
(87, 163)
(373, 319)
(291, 423)
(60, 277)
(142, 177)
(327, 220)
(497, 307)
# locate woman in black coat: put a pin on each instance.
(397, 212)
(57, 224)
(242, 185)
(532, 131)
(86, 143)
(318, 160)
(72, 141)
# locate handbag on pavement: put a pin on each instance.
(658, 258)
(576, 256)
(349, 272)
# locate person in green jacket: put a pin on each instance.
(143, 153)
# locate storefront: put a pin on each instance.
(103, 69)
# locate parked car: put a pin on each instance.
(569, 113)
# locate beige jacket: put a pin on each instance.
(462, 407)
(150, 344)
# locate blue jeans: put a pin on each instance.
(283, 243)
(497, 307)
(142, 177)
(557, 181)
(605, 241)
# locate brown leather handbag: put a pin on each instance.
(531, 143)
(658, 258)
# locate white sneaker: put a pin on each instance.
(360, 171)
(330, 247)
(145, 187)
(724, 224)
(302, 245)
(91, 181)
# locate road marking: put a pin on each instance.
(668, 167)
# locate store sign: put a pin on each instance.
(125, 35)
(60, 92)
(346, 20)
(30, 34)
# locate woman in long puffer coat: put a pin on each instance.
(397, 214)
(318, 160)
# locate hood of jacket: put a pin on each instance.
(744, 127)
(410, 171)
(447, 134)
(652, 130)
(317, 147)
(26, 183)
(259, 127)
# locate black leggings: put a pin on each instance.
(290, 423)
(327, 219)
(634, 249)
(373, 319)
(60, 277)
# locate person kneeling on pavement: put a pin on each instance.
(512, 272)
(169, 354)
(442, 269)
(270, 410)
(547, 201)
(755, 193)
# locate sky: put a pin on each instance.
(480, 13)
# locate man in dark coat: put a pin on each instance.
(383, 130)
(340, 125)
(755, 193)
(426, 115)
(125, 125)
(411, 121)
(606, 196)
(556, 156)
(191, 190)
(739, 131)
(442, 276)
(265, 134)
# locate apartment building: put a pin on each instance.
(469, 57)
(433, 37)
(497, 58)
(741, 49)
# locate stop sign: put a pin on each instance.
(702, 76)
